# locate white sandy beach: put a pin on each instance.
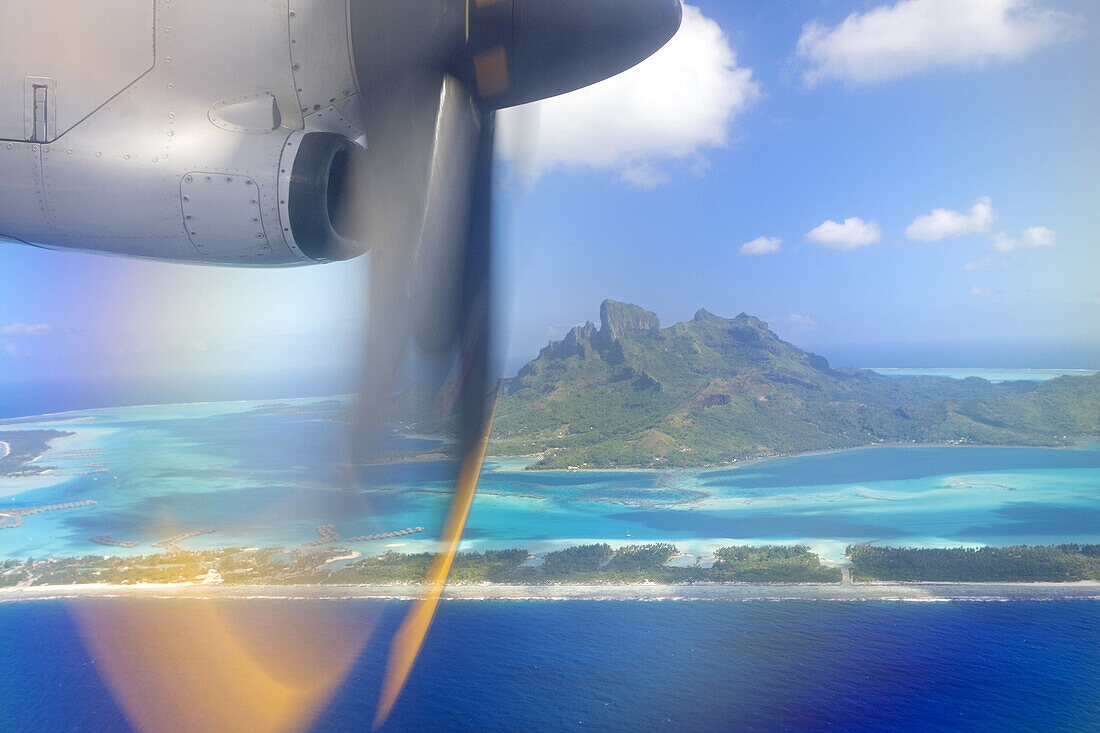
(1083, 590)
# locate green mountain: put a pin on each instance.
(714, 390)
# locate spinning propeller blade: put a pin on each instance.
(433, 76)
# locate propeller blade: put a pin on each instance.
(469, 392)
(418, 229)
(410, 636)
(476, 328)
(442, 243)
(432, 235)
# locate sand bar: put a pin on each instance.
(1083, 590)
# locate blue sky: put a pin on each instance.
(764, 120)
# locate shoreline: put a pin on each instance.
(1078, 442)
(912, 592)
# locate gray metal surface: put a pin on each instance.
(148, 92)
(218, 208)
(90, 50)
(320, 53)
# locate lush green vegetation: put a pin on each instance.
(1053, 563)
(586, 564)
(491, 566)
(583, 565)
(23, 447)
(714, 390)
(769, 563)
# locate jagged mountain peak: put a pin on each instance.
(718, 389)
(625, 319)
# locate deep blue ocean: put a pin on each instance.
(260, 474)
(630, 665)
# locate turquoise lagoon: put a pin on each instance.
(266, 475)
(992, 375)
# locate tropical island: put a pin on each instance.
(584, 565)
(714, 391)
(20, 448)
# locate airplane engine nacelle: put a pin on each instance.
(198, 131)
(263, 200)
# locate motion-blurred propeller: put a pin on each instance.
(432, 74)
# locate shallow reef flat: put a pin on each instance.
(911, 592)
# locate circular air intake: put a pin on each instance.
(321, 195)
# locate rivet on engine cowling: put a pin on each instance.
(188, 179)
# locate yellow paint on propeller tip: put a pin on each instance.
(410, 637)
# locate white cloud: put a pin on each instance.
(644, 175)
(982, 292)
(852, 234)
(761, 246)
(26, 329)
(987, 264)
(797, 319)
(943, 223)
(1030, 238)
(912, 36)
(10, 348)
(673, 105)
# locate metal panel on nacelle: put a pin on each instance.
(218, 208)
(22, 204)
(321, 53)
(86, 51)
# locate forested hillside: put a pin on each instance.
(713, 390)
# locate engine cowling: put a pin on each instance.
(319, 221)
(202, 128)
